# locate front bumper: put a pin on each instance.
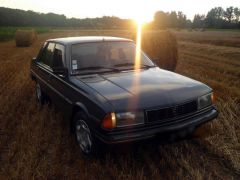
(149, 130)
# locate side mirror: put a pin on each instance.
(62, 71)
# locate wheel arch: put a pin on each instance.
(78, 106)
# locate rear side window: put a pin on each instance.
(47, 54)
(58, 56)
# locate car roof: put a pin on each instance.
(86, 39)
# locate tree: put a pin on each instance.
(173, 19)
(214, 18)
(198, 21)
(170, 20)
(228, 14)
(236, 14)
(182, 19)
(160, 19)
(219, 11)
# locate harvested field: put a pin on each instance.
(36, 142)
(219, 38)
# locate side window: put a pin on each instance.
(58, 56)
(47, 54)
(41, 52)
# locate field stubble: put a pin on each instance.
(36, 143)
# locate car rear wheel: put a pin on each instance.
(39, 94)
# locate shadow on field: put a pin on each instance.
(153, 158)
(147, 158)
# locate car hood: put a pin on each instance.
(144, 89)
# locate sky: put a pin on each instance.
(129, 9)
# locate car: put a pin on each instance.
(109, 99)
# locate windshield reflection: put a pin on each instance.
(106, 56)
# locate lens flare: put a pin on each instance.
(135, 82)
(138, 47)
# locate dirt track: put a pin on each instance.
(36, 142)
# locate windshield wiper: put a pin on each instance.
(97, 68)
(132, 64)
(148, 66)
(124, 64)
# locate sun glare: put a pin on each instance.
(142, 13)
(135, 83)
(141, 18)
(138, 46)
(140, 21)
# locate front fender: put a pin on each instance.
(82, 107)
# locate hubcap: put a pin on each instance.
(38, 92)
(83, 136)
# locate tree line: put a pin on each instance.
(17, 17)
(170, 20)
(215, 18)
(218, 18)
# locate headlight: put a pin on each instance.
(129, 118)
(205, 101)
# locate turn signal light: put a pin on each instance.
(109, 121)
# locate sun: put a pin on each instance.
(141, 19)
(142, 13)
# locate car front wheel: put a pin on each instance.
(84, 137)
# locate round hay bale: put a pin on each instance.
(161, 47)
(25, 38)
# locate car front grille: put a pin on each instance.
(172, 112)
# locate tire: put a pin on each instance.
(41, 99)
(86, 140)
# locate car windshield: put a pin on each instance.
(105, 56)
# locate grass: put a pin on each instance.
(7, 33)
(36, 143)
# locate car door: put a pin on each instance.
(60, 95)
(43, 68)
